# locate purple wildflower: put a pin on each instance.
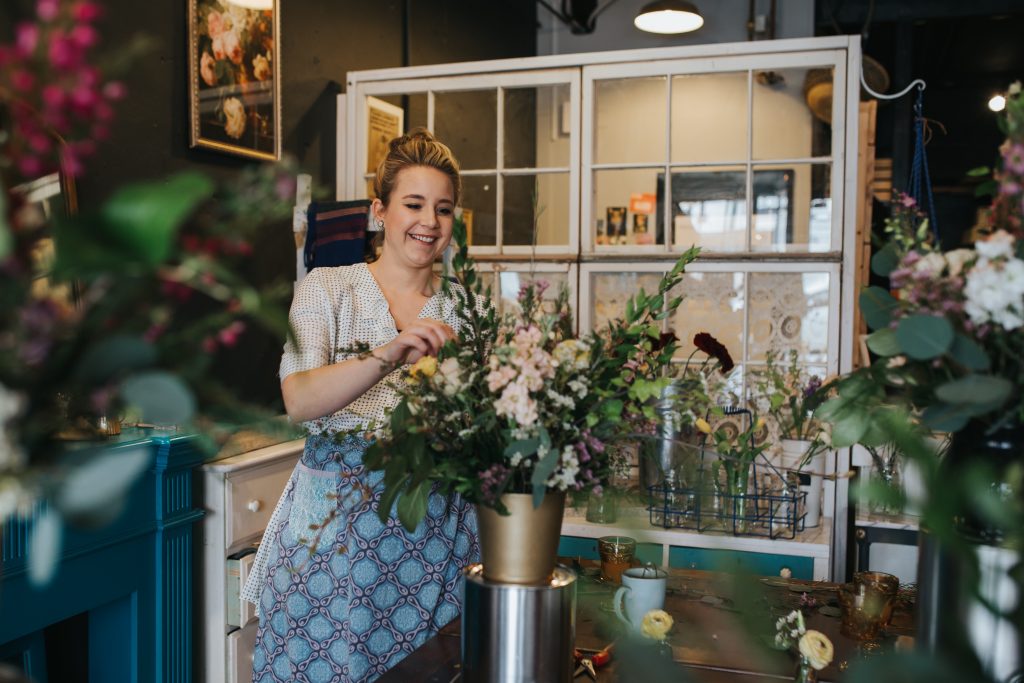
(491, 481)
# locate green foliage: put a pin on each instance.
(877, 307)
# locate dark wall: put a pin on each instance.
(321, 40)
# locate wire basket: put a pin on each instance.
(771, 511)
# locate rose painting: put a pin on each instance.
(235, 76)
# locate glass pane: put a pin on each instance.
(537, 125)
(792, 208)
(709, 117)
(789, 311)
(709, 208)
(629, 120)
(552, 209)
(609, 292)
(467, 121)
(792, 113)
(712, 303)
(478, 210)
(513, 281)
(617, 196)
(415, 110)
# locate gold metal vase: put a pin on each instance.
(521, 547)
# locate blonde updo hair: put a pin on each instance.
(418, 147)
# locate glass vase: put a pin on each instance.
(805, 673)
(602, 508)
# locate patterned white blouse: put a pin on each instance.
(334, 308)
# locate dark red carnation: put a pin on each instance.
(714, 348)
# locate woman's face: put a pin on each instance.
(419, 216)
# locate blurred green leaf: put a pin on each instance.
(877, 306)
(412, 507)
(924, 337)
(911, 667)
(943, 417)
(968, 353)
(986, 189)
(885, 260)
(44, 547)
(848, 429)
(99, 479)
(883, 342)
(117, 355)
(145, 217)
(979, 171)
(976, 389)
(161, 397)
(6, 240)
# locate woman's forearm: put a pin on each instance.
(323, 391)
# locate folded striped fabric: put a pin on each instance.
(336, 233)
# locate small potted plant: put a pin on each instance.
(790, 395)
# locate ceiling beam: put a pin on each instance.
(853, 12)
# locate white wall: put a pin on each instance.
(725, 21)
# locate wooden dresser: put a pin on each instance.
(239, 495)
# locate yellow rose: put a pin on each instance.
(424, 367)
(703, 425)
(656, 624)
(818, 649)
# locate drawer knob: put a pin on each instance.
(254, 505)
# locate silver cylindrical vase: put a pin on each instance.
(518, 634)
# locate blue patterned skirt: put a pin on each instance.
(347, 596)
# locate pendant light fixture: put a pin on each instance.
(669, 16)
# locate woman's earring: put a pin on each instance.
(379, 223)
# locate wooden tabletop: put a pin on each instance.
(721, 621)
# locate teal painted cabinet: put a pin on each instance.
(709, 559)
(132, 577)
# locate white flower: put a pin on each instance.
(818, 649)
(995, 293)
(449, 376)
(516, 458)
(998, 245)
(559, 400)
(234, 114)
(578, 386)
(1014, 88)
(565, 476)
(957, 259)
(932, 263)
(573, 354)
(515, 402)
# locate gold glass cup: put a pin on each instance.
(866, 608)
(881, 587)
(617, 554)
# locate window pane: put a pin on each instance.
(629, 120)
(709, 117)
(789, 311)
(610, 291)
(713, 303)
(552, 208)
(478, 210)
(537, 124)
(792, 208)
(792, 113)
(512, 281)
(709, 208)
(614, 192)
(467, 121)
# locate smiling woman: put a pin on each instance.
(341, 595)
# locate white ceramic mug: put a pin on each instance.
(644, 590)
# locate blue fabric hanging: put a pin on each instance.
(920, 185)
(336, 233)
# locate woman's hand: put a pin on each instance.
(424, 337)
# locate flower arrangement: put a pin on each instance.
(521, 404)
(813, 647)
(120, 310)
(790, 395)
(737, 450)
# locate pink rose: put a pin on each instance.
(86, 11)
(232, 46)
(47, 10)
(26, 38)
(206, 63)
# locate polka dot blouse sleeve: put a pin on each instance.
(312, 321)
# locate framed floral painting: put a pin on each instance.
(235, 76)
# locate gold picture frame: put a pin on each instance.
(235, 77)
